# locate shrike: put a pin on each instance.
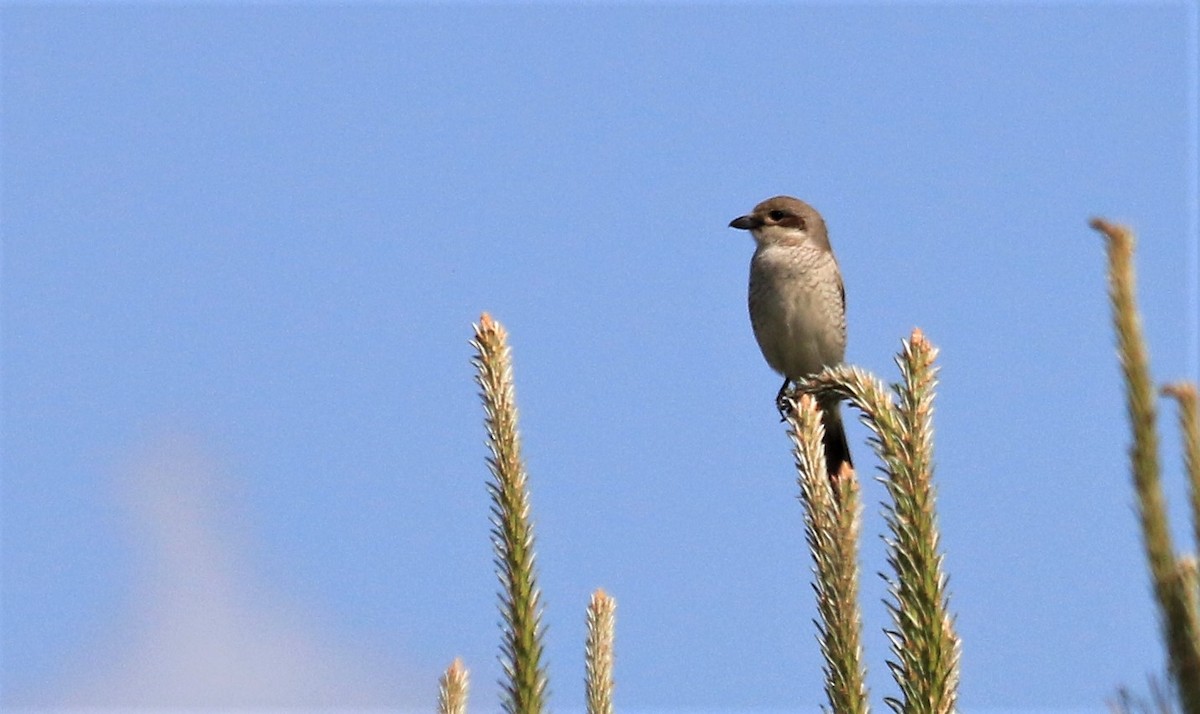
(798, 303)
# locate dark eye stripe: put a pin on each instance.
(786, 219)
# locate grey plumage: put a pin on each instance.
(797, 302)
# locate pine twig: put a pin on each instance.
(1184, 394)
(924, 642)
(452, 689)
(1179, 630)
(512, 530)
(928, 666)
(598, 653)
(832, 516)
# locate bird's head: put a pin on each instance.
(784, 220)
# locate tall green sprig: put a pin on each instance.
(924, 643)
(598, 653)
(832, 516)
(512, 530)
(1176, 614)
(1185, 395)
(452, 689)
(928, 667)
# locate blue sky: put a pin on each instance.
(243, 246)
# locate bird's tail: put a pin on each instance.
(837, 449)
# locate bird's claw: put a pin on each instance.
(783, 405)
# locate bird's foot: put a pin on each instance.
(783, 405)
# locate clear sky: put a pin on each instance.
(243, 246)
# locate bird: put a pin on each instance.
(797, 305)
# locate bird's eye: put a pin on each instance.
(777, 215)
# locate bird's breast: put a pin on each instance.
(796, 309)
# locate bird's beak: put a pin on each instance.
(745, 223)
